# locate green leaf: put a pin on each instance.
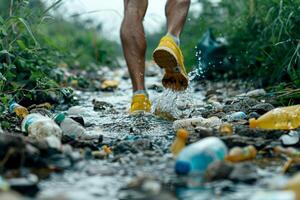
(21, 44)
(25, 23)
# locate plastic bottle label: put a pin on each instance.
(29, 121)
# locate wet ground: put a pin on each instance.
(141, 165)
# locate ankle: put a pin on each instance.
(140, 92)
(175, 38)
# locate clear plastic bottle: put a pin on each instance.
(284, 118)
(238, 154)
(195, 158)
(69, 127)
(40, 127)
(179, 142)
(20, 111)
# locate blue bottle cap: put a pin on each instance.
(182, 167)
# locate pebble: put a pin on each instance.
(218, 170)
(53, 142)
(237, 116)
(101, 105)
(25, 185)
(256, 93)
(151, 186)
(290, 139)
(77, 111)
(261, 108)
(244, 172)
(253, 115)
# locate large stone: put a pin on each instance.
(261, 108)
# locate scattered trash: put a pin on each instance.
(237, 116)
(290, 139)
(195, 158)
(226, 129)
(212, 122)
(238, 154)
(179, 142)
(284, 118)
(40, 127)
(20, 111)
(103, 153)
(210, 54)
(109, 85)
(69, 127)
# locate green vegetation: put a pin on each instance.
(35, 46)
(263, 37)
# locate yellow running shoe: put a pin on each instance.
(140, 103)
(169, 57)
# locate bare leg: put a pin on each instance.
(133, 41)
(176, 12)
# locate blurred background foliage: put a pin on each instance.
(36, 46)
(263, 38)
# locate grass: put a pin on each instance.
(34, 45)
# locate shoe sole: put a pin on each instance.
(174, 77)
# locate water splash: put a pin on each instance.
(174, 104)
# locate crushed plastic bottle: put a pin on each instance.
(238, 154)
(284, 118)
(180, 141)
(69, 127)
(20, 111)
(40, 127)
(195, 158)
(212, 122)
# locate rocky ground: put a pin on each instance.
(141, 165)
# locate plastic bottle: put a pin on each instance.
(40, 127)
(20, 111)
(69, 127)
(290, 152)
(284, 118)
(196, 122)
(195, 158)
(238, 154)
(180, 141)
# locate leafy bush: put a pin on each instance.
(263, 37)
(33, 44)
